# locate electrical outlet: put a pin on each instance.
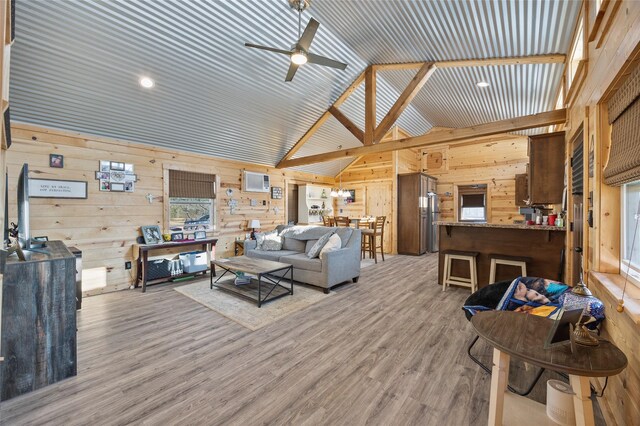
(127, 265)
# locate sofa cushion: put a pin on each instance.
(317, 247)
(289, 243)
(302, 261)
(305, 233)
(269, 255)
(333, 244)
(345, 234)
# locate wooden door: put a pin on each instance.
(379, 203)
(292, 203)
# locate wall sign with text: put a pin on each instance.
(52, 188)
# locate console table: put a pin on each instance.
(523, 336)
(141, 253)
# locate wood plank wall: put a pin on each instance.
(615, 44)
(106, 225)
(374, 179)
(492, 161)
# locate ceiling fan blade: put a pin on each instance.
(308, 34)
(292, 71)
(321, 60)
(270, 49)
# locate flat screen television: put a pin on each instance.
(24, 232)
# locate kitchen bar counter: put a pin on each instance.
(546, 249)
(503, 225)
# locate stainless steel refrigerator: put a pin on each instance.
(433, 215)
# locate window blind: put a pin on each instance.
(472, 200)
(624, 116)
(185, 184)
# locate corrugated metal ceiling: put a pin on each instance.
(76, 64)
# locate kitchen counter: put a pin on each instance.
(545, 250)
(504, 225)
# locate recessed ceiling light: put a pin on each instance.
(482, 84)
(147, 82)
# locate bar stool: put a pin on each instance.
(469, 256)
(503, 259)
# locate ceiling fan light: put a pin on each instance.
(340, 193)
(299, 58)
(333, 193)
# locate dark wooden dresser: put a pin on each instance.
(38, 320)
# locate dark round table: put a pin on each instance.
(524, 336)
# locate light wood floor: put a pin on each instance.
(388, 350)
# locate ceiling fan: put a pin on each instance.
(299, 52)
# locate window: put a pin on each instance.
(472, 203)
(192, 200)
(576, 55)
(630, 261)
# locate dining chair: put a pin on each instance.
(326, 220)
(342, 221)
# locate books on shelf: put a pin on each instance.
(242, 279)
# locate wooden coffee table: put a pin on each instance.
(264, 282)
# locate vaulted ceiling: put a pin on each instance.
(76, 64)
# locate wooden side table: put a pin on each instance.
(523, 336)
(238, 248)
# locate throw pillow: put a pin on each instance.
(272, 243)
(334, 243)
(260, 236)
(315, 250)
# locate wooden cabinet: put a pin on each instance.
(414, 212)
(546, 168)
(522, 189)
(38, 320)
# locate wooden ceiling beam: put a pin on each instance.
(442, 136)
(403, 101)
(369, 105)
(518, 60)
(350, 125)
(343, 97)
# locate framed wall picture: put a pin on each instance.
(200, 235)
(103, 175)
(117, 187)
(151, 234)
(105, 166)
(56, 161)
(117, 176)
(117, 166)
(105, 185)
(177, 236)
(276, 192)
(129, 186)
(53, 188)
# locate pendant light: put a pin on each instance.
(341, 192)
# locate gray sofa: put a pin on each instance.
(335, 268)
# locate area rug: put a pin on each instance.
(246, 313)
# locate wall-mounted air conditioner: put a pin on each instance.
(255, 182)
